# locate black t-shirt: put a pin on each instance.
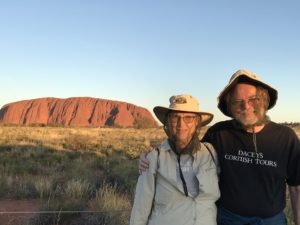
(254, 183)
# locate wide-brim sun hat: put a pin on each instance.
(244, 76)
(182, 103)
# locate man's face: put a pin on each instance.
(182, 127)
(245, 105)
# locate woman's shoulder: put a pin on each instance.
(153, 155)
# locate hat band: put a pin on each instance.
(183, 108)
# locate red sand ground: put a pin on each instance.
(24, 206)
(16, 206)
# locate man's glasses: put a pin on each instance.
(239, 103)
(176, 118)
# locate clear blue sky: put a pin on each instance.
(142, 52)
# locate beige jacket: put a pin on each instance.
(160, 199)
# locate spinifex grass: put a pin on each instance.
(115, 205)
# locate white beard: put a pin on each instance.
(258, 119)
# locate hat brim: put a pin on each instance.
(161, 113)
(222, 105)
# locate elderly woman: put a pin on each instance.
(181, 185)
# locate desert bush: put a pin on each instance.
(78, 189)
(43, 188)
(78, 142)
(144, 122)
(116, 205)
(6, 182)
(26, 190)
(54, 125)
(37, 125)
(17, 187)
(134, 151)
(58, 217)
(289, 213)
(116, 126)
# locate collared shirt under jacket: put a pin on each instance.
(160, 198)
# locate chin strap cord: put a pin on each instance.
(182, 178)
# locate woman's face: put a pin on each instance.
(182, 126)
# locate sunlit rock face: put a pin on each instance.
(79, 111)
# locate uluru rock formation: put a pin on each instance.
(79, 111)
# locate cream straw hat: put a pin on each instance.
(182, 103)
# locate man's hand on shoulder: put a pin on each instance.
(143, 162)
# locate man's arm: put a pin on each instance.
(295, 201)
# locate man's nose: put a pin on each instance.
(246, 105)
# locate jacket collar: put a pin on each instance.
(165, 146)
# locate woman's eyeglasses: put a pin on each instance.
(186, 119)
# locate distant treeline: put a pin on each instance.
(139, 123)
(291, 124)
